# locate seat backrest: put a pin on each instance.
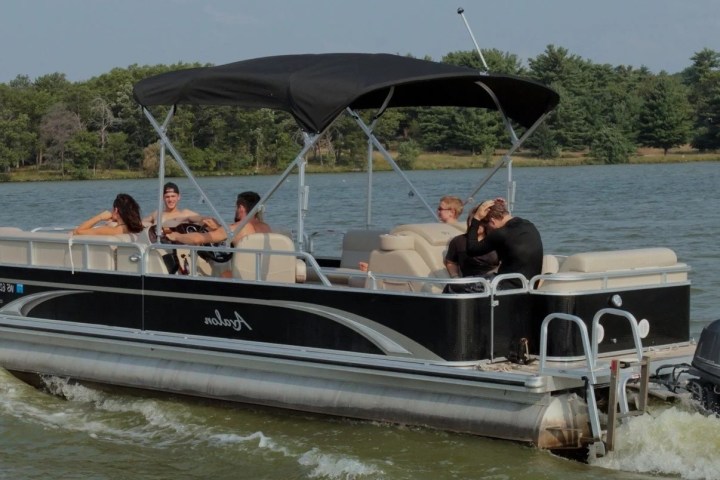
(137, 243)
(430, 242)
(13, 248)
(56, 249)
(623, 268)
(357, 245)
(397, 256)
(550, 264)
(273, 268)
(619, 260)
(98, 256)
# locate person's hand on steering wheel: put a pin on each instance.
(210, 223)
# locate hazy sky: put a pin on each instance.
(85, 38)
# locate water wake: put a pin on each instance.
(671, 442)
(169, 425)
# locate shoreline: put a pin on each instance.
(426, 161)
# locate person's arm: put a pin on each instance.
(477, 247)
(452, 268)
(86, 228)
(150, 219)
(474, 246)
(451, 259)
(244, 232)
(198, 238)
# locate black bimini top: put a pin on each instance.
(315, 89)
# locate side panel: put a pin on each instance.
(666, 310)
(433, 326)
(58, 294)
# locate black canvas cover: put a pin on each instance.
(316, 88)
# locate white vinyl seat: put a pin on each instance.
(614, 269)
(431, 242)
(416, 250)
(272, 267)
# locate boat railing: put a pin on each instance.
(564, 282)
(56, 248)
(592, 370)
(415, 284)
(256, 262)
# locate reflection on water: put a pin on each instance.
(93, 434)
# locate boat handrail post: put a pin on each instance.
(388, 158)
(617, 394)
(633, 327)
(590, 360)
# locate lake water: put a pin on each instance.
(92, 434)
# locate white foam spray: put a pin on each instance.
(668, 442)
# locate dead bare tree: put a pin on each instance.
(56, 128)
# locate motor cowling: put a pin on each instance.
(706, 367)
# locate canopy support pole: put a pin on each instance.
(506, 160)
(299, 161)
(388, 157)
(376, 117)
(183, 166)
(161, 176)
(368, 206)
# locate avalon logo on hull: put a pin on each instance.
(237, 323)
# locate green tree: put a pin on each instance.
(16, 141)
(610, 146)
(664, 120)
(708, 116)
(703, 79)
(408, 153)
(572, 78)
(497, 61)
(543, 143)
(83, 153)
(117, 151)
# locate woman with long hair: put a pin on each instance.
(124, 218)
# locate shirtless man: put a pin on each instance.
(171, 197)
(246, 201)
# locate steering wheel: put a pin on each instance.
(189, 227)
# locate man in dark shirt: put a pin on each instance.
(516, 241)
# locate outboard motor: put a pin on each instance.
(706, 367)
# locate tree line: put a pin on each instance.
(78, 128)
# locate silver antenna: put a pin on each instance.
(461, 12)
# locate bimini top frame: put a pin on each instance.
(316, 89)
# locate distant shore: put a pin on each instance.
(425, 161)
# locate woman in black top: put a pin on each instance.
(516, 241)
(460, 264)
